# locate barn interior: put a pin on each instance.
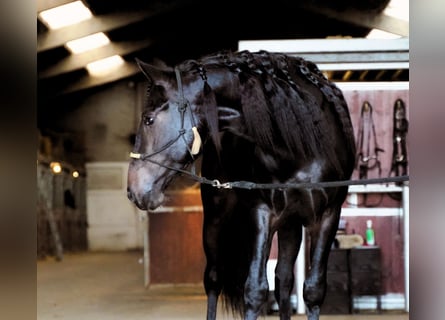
(87, 229)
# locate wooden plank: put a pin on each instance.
(340, 54)
(327, 46)
(374, 21)
(362, 66)
(43, 5)
(79, 61)
(102, 23)
(126, 70)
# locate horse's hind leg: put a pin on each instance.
(289, 240)
(322, 235)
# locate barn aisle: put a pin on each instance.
(99, 286)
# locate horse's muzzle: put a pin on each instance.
(132, 197)
(149, 201)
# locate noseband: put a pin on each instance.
(183, 104)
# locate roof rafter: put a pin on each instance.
(79, 61)
(128, 69)
(370, 20)
(103, 23)
(49, 4)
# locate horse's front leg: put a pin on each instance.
(322, 235)
(289, 240)
(212, 283)
(256, 287)
(212, 300)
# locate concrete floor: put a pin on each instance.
(96, 286)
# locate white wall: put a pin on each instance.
(114, 223)
(105, 119)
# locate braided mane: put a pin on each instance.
(281, 100)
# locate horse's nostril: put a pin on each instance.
(130, 195)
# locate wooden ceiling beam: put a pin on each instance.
(370, 20)
(128, 69)
(78, 61)
(49, 4)
(103, 23)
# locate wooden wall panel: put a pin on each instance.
(176, 253)
(382, 102)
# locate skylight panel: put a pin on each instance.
(104, 66)
(87, 43)
(65, 15)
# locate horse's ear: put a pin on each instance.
(157, 75)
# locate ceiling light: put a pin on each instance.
(65, 15)
(56, 167)
(87, 43)
(104, 66)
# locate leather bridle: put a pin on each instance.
(365, 160)
(182, 108)
(399, 164)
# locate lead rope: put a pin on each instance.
(308, 185)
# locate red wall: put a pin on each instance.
(382, 102)
(388, 229)
(176, 253)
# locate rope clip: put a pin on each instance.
(219, 185)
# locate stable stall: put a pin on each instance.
(61, 202)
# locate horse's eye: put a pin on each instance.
(148, 121)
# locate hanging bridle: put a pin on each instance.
(365, 159)
(182, 108)
(399, 163)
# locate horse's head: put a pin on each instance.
(167, 137)
(179, 107)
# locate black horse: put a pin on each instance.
(265, 119)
